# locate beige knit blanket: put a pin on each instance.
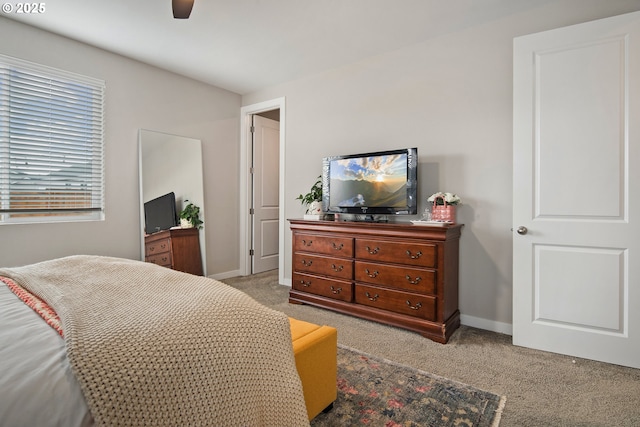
(154, 347)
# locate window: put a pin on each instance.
(51, 144)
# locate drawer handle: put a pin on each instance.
(336, 291)
(337, 247)
(305, 243)
(372, 298)
(416, 256)
(165, 259)
(337, 268)
(372, 275)
(373, 251)
(152, 248)
(306, 284)
(414, 307)
(307, 263)
(413, 282)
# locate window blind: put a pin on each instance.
(51, 143)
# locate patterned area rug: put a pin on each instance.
(378, 392)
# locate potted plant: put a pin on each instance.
(190, 216)
(313, 200)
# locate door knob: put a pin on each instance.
(522, 230)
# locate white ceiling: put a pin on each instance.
(245, 45)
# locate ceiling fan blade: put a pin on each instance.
(182, 8)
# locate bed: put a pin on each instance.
(131, 343)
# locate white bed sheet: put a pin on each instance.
(36, 382)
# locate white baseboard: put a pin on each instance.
(225, 275)
(489, 325)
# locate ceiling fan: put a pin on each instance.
(182, 8)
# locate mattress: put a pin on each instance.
(143, 345)
(33, 368)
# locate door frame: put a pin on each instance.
(245, 195)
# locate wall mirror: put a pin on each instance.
(171, 163)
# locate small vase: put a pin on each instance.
(315, 208)
(446, 212)
(185, 223)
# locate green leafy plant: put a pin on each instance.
(191, 213)
(314, 195)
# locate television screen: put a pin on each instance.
(372, 183)
(160, 213)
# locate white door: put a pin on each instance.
(266, 165)
(576, 195)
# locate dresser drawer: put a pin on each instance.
(327, 266)
(336, 289)
(157, 246)
(411, 304)
(327, 245)
(163, 259)
(418, 254)
(418, 280)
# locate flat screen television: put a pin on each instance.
(380, 183)
(160, 213)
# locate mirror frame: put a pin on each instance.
(179, 150)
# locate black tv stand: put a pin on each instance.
(374, 218)
(371, 218)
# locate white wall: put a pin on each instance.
(452, 98)
(137, 96)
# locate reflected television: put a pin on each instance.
(160, 213)
(379, 183)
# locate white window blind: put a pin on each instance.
(51, 144)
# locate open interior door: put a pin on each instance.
(266, 172)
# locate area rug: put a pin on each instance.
(377, 392)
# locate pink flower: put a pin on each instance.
(423, 389)
(345, 387)
(394, 403)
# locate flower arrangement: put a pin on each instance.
(440, 197)
(444, 206)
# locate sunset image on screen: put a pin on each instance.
(369, 181)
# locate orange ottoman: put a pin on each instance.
(315, 349)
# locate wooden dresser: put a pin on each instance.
(178, 249)
(400, 274)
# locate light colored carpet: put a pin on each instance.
(542, 389)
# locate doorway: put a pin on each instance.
(247, 208)
(264, 174)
